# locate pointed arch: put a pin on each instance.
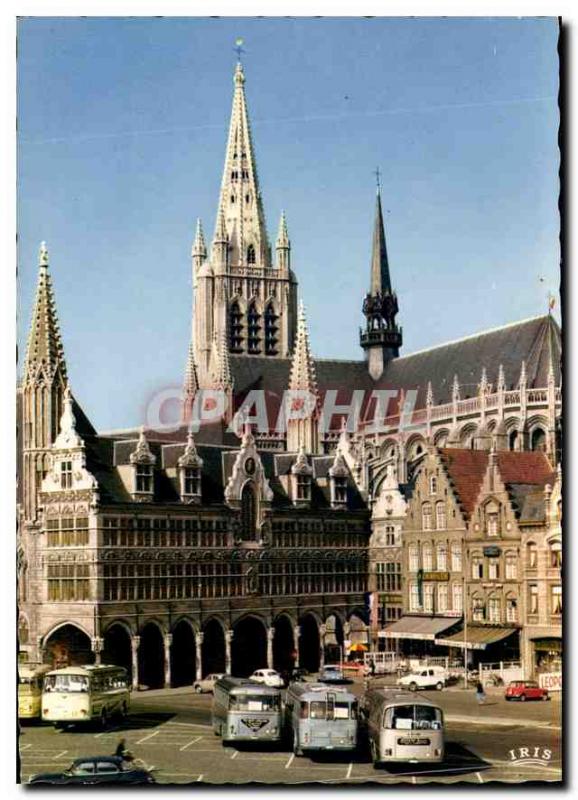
(249, 510)
(251, 254)
(236, 326)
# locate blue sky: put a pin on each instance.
(122, 132)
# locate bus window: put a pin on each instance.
(413, 718)
(66, 683)
(304, 710)
(317, 709)
(256, 702)
(341, 711)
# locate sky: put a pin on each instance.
(122, 126)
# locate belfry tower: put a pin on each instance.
(239, 288)
(43, 385)
(382, 337)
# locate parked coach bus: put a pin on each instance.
(320, 717)
(244, 711)
(30, 678)
(402, 726)
(82, 694)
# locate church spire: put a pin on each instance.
(45, 353)
(303, 431)
(240, 201)
(382, 337)
(199, 251)
(302, 376)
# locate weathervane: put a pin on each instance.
(239, 47)
(377, 174)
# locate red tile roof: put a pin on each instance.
(533, 468)
(467, 468)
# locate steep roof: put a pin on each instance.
(530, 340)
(466, 470)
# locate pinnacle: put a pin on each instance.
(302, 374)
(282, 235)
(199, 246)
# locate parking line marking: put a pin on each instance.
(481, 780)
(288, 764)
(150, 736)
(63, 753)
(188, 724)
(413, 779)
(25, 747)
(235, 754)
(196, 739)
(199, 779)
(349, 771)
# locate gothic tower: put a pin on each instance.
(381, 338)
(239, 288)
(42, 390)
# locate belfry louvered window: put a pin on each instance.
(270, 330)
(235, 328)
(251, 254)
(253, 329)
(248, 512)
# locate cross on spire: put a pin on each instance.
(239, 48)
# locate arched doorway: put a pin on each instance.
(283, 644)
(151, 657)
(309, 643)
(183, 655)
(68, 646)
(513, 440)
(249, 647)
(333, 639)
(117, 648)
(213, 647)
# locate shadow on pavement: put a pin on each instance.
(132, 722)
(458, 761)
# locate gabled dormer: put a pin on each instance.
(338, 478)
(301, 479)
(248, 490)
(190, 466)
(143, 463)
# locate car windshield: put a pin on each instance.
(254, 702)
(413, 717)
(66, 683)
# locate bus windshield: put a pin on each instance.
(413, 717)
(254, 702)
(66, 683)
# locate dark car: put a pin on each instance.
(525, 690)
(295, 674)
(96, 770)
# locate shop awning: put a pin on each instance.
(425, 628)
(479, 637)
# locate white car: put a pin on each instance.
(269, 677)
(426, 678)
(207, 684)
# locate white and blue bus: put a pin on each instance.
(402, 726)
(246, 711)
(319, 717)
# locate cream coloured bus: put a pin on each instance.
(83, 694)
(30, 677)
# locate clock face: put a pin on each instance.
(250, 466)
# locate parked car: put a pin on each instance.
(525, 690)
(270, 677)
(426, 678)
(96, 770)
(296, 675)
(207, 684)
(331, 673)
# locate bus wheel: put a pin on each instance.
(296, 749)
(413, 686)
(439, 686)
(103, 718)
(123, 711)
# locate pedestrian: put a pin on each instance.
(480, 694)
(372, 667)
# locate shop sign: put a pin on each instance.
(436, 576)
(552, 681)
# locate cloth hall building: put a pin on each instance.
(229, 550)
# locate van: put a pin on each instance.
(424, 678)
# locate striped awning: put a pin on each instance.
(425, 628)
(478, 637)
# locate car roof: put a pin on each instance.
(114, 759)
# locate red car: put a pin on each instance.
(525, 690)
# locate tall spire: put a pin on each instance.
(382, 337)
(45, 353)
(240, 200)
(380, 280)
(302, 374)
